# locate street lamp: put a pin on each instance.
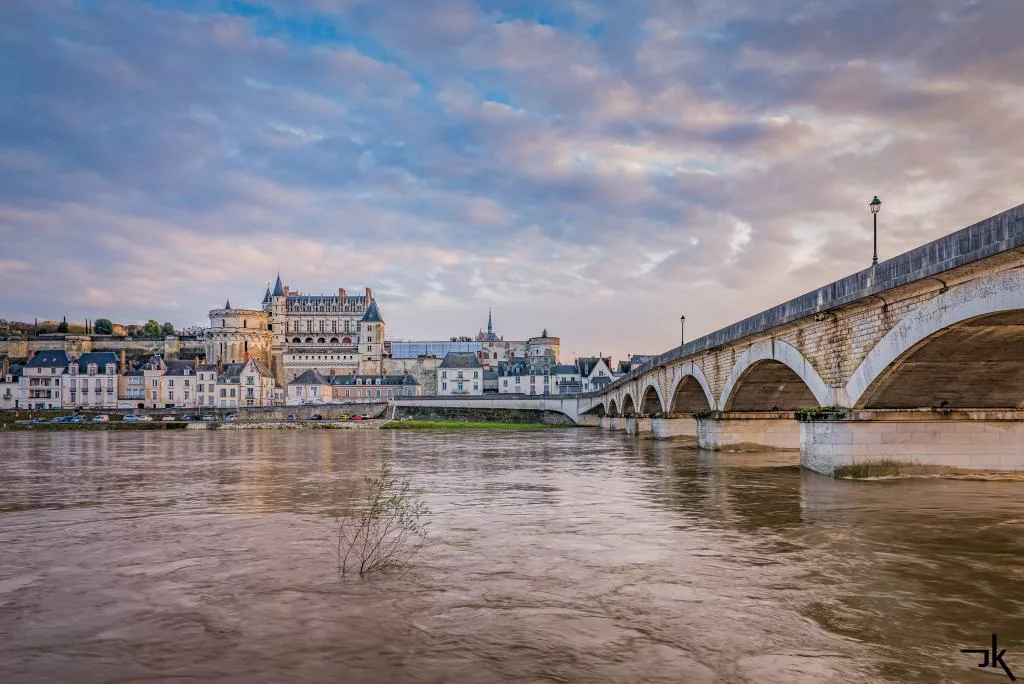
(682, 329)
(875, 205)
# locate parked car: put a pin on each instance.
(132, 419)
(76, 419)
(167, 419)
(146, 419)
(186, 417)
(60, 419)
(230, 417)
(356, 417)
(101, 418)
(290, 418)
(316, 416)
(36, 421)
(209, 417)
(343, 416)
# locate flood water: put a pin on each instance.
(553, 555)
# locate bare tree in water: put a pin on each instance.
(386, 530)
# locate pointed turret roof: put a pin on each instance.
(278, 287)
(372, 314)
(266, 297)
(227, 304)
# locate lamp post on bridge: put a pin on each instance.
(875, 205)
(682, 330)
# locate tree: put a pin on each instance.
(62, 327)
(387, 530)
(103, 326)
(151, 329)
(167, 329)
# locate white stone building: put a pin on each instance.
(42, 378)
(92, 381)
(10, 384)
(313, 388)
(595, 372)
(460, 373)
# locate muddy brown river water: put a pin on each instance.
(553, 555)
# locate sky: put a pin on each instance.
(591, 167)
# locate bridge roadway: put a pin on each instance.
(922, 356)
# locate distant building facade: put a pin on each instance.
(460, 373)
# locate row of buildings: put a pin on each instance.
(53, 379)
(304, 349)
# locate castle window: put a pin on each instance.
(245, 322)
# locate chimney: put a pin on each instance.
(341, 293)
(6, 367)
(246, 357)
(124, 366)
(369, 295)
(220, 365)
(195, 361)
(332, 370)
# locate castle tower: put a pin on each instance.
(371, 340)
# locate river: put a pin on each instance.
(553, 555)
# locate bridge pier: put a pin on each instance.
(963, 439)
(667, 428)
(750, 430)
(636, 425)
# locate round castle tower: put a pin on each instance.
(237, 334)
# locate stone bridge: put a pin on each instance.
(922, 356)
(917, 359)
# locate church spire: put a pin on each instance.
(490, 327)
(227, 304)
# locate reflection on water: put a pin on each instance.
(554, 556)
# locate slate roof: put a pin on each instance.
(586, 363)
(266, 297)
(372, 313)
(278, 287)
(230, 373)
(566, 369)
(49, 358)
(101, 359)
(460, 360)
(176, 368)
(623, 367)
(309, 377)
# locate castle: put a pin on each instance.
(291, 333)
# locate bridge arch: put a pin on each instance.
(690, 390)
(651, 401)
(961, 349)
(613, 408)
(628, 405)
(772, 374)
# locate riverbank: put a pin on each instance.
(122, 426)
(465, 425)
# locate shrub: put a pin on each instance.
(386, 531)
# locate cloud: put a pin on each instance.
(592, 168)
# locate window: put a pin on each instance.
(444, 385)
(476, 386)
(444, 374)
(476, 375)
